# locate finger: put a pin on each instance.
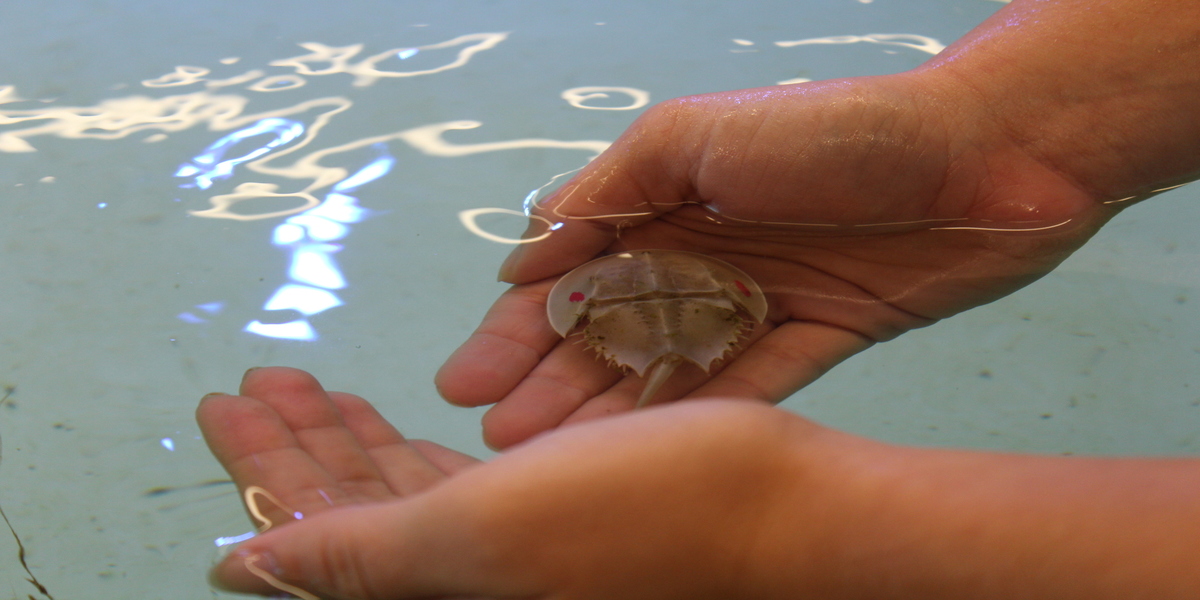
(627, 185)
(319, 430)
(448, 461)
(404, 469)
(566, 378)
(512, 339)
(558, 248)
(257, 448)
(419, 547)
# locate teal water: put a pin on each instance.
(143, 263)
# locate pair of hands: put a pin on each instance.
(863, 208)
(668, 502)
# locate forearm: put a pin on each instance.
(930, 524)
(1103, 91)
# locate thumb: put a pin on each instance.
(391, 550)
(639, 177)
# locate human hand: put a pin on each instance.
(707, 499)
(295, 450)
(863, 208)
(660, 504)
(316, 450)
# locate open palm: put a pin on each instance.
(354, 510)
(864, 208)
(312, 451)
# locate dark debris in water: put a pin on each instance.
(30, 577)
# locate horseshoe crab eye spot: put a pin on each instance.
(576, 297)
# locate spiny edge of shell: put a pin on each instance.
(745, 326)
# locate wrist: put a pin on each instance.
(871, 520)
(1101, 93)
(824, 517)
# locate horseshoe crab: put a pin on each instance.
(650, 310)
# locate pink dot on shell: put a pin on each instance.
(578, 297)
(740, 286)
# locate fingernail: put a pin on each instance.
(249, 371)
(211, 394)
(263, 566)
(241, 569)
(262, 562)
(230, 545)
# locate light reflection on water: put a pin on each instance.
(312, 227)
(308, 237)
(208, 165)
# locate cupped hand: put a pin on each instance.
(661, 504)
(863, 208)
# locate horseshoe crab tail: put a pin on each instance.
(657, 377)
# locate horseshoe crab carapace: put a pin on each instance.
(650, 310)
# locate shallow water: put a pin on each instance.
(143, 262)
